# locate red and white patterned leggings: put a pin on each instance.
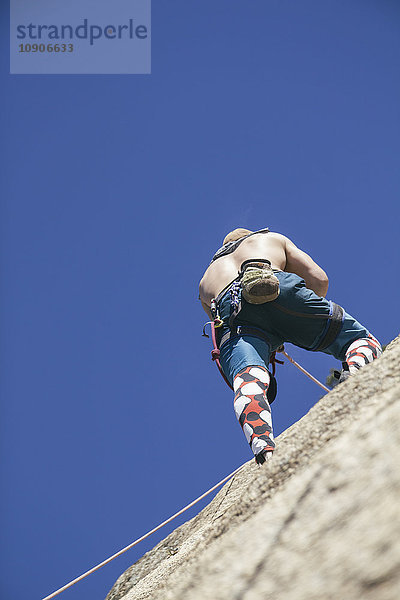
(252, 408)
(361, 352)
(251, 384)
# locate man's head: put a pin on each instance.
(236, 234)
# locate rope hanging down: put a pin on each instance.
(224, 480)
(102, 564)
(305, 372)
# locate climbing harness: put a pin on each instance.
(105, 562)
(215, 352)
(240, 330)
(271, 395)
(236, 286)
(332, 329)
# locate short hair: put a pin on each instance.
(236, 234)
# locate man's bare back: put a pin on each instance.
(278, 249)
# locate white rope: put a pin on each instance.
(97, 567)
(105, 562)
(305, 372)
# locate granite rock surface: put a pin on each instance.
(321, 520)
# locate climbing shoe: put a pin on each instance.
(263, 457)
(343, 374)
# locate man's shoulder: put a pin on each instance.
(277, 236)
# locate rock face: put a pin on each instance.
(320, 520)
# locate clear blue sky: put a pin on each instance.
(115, 192)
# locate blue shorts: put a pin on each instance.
(306, 331)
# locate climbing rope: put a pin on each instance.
(305, 372)
(105, 562)
(224, 480)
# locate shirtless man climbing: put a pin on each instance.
(262, 291)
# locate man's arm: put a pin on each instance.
(299, 263)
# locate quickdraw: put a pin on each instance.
(215, 352)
